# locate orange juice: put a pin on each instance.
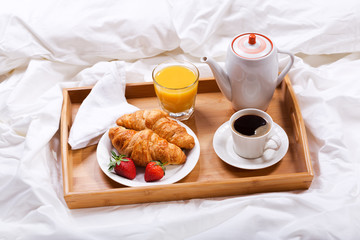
(176, 88)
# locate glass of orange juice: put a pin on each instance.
(176, 84)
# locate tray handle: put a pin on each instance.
(296, 124)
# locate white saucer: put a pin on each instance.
(223, 146)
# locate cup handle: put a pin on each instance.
(274, 138)
(287, 68)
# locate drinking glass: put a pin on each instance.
(176, 83)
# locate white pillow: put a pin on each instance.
(207, 26)
(84, 32)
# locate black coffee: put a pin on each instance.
(251, 125)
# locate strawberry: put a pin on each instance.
(154, 171)
(122, 166)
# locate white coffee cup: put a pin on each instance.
(250, 145)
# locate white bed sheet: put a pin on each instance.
(48, 45)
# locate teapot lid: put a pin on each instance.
(252, 45)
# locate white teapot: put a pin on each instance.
(251, 71)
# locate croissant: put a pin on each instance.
(160, 122)
(145, 146)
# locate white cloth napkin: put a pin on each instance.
(100, 109)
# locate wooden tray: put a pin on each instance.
(85, 185)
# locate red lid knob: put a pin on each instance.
(252, 39)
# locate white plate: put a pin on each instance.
(173, 173)
(223, 146)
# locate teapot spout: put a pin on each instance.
(220, 75)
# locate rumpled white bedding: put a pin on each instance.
(49, 45)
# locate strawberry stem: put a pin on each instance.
(162, 165)
(118, 159)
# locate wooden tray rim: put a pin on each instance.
(305, 175)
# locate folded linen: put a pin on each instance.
(105, 103)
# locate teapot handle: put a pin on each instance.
(287, 68)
